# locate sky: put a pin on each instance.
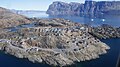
(33, 4)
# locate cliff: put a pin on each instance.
(10, 19)
(89, 7)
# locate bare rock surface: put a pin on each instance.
(56, 42)
(9, 19)
(105, 31)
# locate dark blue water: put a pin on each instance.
(16, 28)
(107, 60)
(113, 20)
(7, 60)
(94, 20)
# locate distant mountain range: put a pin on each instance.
(26, 11)
(89, 7)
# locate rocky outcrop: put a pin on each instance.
(89, 7)
(9, 19)
(105, 31)
(56, 42)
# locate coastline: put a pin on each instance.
(89, 63)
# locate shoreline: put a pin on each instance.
(66, 66)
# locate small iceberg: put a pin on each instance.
(33, 16)
(92, 19)
(103, 20)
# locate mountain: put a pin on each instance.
(25, 11)
(89, 7)
(9, 19)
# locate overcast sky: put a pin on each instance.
(33, 4)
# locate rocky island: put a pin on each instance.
(57, 42)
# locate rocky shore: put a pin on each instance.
(56, 42)
(105, 31)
